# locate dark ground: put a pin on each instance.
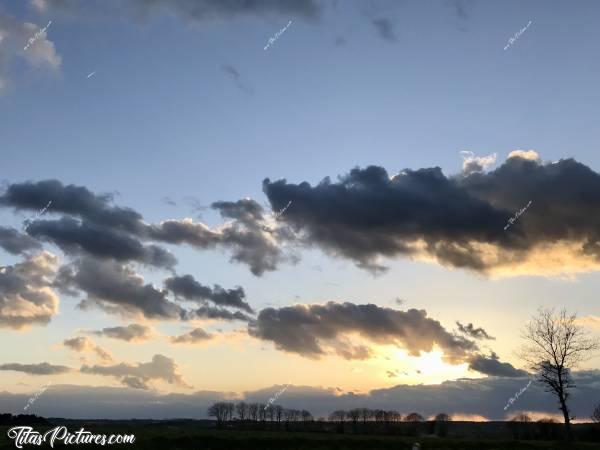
(166, 435)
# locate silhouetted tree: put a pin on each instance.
(556, 345)
(278, 412)
(354, 415)
(440, 424)
(366, 414)
(596, 414)
(414, 417)
(241, 409)
(338, 416)
(219, 411)
(442, 417)
(306, 416)
(253, 411)
(262, 412)
(229, 407)
(521, 418)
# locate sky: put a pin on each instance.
(365, 201)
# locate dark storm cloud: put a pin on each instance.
(73, 200)
(493, 367)
(73, 236)
(117, 289)
(485, 397)
(456, 221)
(17, 243)
(36, 369)
(25, 295)
(188, 288)
(90, 223)
(194, 336)
(246, 211)
(207, 312)
(138, 375)
(312, 330)
(130, 333)
(475, 333)
(385, 28)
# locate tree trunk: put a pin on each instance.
(563, 406)
(565, 411)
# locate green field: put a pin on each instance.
(168, 437)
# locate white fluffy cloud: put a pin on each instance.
(14, 36)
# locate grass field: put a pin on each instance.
(168, 437)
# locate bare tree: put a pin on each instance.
(229, 408)
(521, 418)
(278, 412)
(218, 411)
(354, 415)
(366, 414)
(442, 417)
(288, 414)
(596, 414)
(253, 411)
(414, 417)
(306, 416)
(270, 412)
(262, 412)
(241, 409)
(555, 346)
(338, 415)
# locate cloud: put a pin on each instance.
(73, 200)
(25, 295)
(244, 236)
(117, 289)
(484, 398)
(454, 221)
(235, 75)
(475, 333)
(193, 337)
(130, 333)
(188, 288)
(73, 237)
(193, 10)
(385, 28)
(493, 367)
(86, 345)
(17, 243)
(169, 201)
(472, 163)
(138, 375)
(36, 369)
(530, 155)
(207, 312)
(92, 225)
(589, 321)
(15, 36)
(314, 330)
